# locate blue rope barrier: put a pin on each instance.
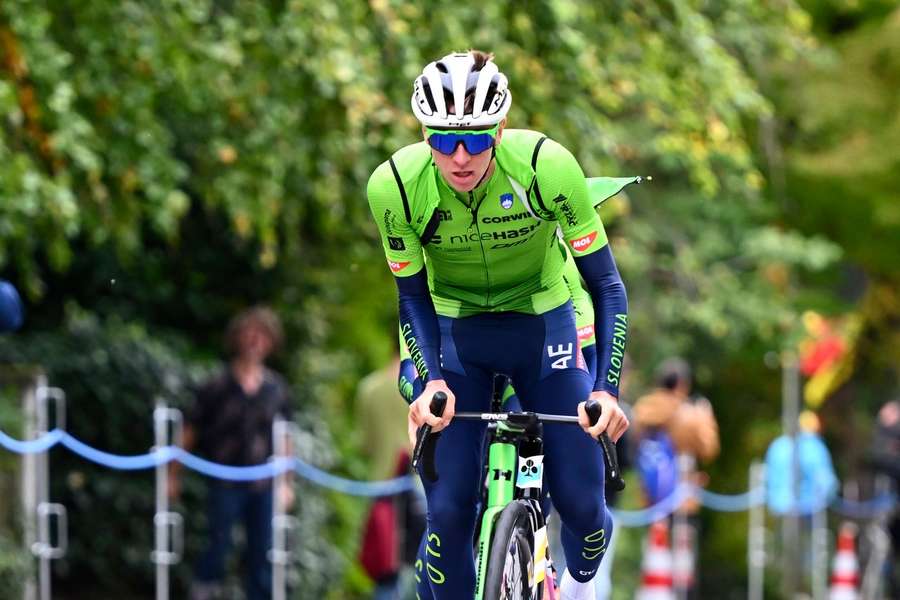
(651, 514)
(41, 444)
(865, 509)
(232, 473)
(626, 518)
(732, 503)
(115, 461)
(388, 487)
(206, 467)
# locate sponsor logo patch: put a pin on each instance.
(506, 201)
(396, 243)
(564, 352)
(583, 243)
(567, 210)
(531, 471)
(585, 332)
(505, 218)
(396, 267)
(389, 221)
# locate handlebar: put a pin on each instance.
(426, 441)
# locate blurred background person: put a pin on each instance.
(675, 433)
(818, 482)
(885, 459)
(382, 413)
(669, 422)
(11, 312)
(395, 524)
(231, 423)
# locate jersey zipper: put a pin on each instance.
(473, 208)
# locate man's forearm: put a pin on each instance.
(419, 324)
(610, 316)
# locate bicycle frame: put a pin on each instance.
(501, 474)
(506, 441)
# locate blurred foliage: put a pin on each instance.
(210, 155)
(14, 558)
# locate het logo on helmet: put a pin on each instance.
(396, 267)
(583, 243)
(506, 201)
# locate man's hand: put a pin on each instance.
(612, 419)
(420, 410)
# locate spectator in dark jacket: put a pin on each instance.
(885, 459)
(231, 423)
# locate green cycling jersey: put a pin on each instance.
(581, 302)
(492, 249)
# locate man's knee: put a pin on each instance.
(450, 514)
(581, 512)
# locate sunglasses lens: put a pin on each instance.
(476, 144)
(446, 143)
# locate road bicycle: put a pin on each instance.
(512, 556)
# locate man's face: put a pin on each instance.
(254, 343)
(463, 171)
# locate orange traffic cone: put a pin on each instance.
(656, 568)
(845, 568)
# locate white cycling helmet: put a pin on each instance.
(448, 81)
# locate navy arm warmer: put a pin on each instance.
(610, 315)
(419, 324)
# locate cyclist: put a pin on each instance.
(410, 384)
(483, 203)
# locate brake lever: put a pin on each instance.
(613, 475)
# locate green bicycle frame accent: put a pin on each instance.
(502, 466)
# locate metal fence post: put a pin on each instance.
(283, 524)
(792, 567)
(819, 550)
(683, 551)
(756, 537)
(43, 546)
(30, 478)
(168, 527)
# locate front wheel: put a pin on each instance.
(510, 562)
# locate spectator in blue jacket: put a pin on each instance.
(11, 312)
(817, 482)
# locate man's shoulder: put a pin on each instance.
(525, 137)
(655, 408)
(526, 140)
(398, 183)
(408, 161)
